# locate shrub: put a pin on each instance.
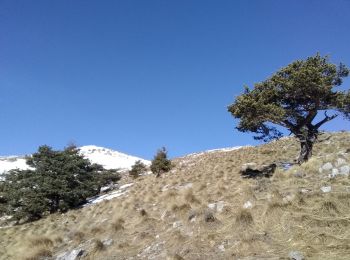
(137, 169)
(160, 163)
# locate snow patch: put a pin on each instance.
(108, 158)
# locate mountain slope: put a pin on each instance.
(204, 209)
(108, 158)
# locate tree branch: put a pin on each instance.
(325, 120)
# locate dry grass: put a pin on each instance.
(165, 219)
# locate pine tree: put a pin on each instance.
(160, 162)
(292, 98)
(137, 169)
(59, 180)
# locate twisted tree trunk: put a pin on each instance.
(307, 138)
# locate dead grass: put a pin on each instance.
(288, 212)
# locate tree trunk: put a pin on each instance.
(307, 141)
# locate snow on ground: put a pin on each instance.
(12, 162)
(108, 158)
(227, 149)
(115, 194)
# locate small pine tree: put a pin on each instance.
(160, 163)
(137, 169)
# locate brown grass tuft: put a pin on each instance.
(244, 217)
(118, 224)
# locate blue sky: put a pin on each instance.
(137, 75)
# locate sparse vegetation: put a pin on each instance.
(285, 212)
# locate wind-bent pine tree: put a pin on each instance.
(293, 98)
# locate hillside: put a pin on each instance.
(204, 209)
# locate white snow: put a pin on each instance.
(227, 149)
(108, 158)
(115, 194)
(12, 162)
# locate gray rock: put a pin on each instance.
(298, 175)
(334, 173)
(247, 205)
(177, 224)
(296, 255)
(72, 255)
(326, 189)
(107, 242)
(345, 170)
(327, 167)
(221, 248)
(217, 206)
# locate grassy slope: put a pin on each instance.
(142, 223)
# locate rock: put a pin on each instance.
(296, 255)
(217, 206)
(185, 186)
(305, 190)
(252, 170)
(288, 198)
(177, 224)
(334, 173)
(72, 255)
(327, 167)
(220, 206)
(326, 189)
(107, 242)
(247, 205)
(345, 170)
(221, 248)
(298, 175)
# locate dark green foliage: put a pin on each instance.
(60, 180)
(137, 169)
(292, 98)
(160, 163)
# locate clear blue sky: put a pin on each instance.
(137, 75)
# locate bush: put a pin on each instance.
(137, 169)
(58, 181)
(160, 163)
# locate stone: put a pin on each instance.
(345, 170)
(72, 255)
(298, 175)
(326, 189)
(107, 242)
(327, 167)
(221, 248)
(220, 206)
(334, 173)
(247, 205)
(295, 255)
(177, 224)
(217, 206)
